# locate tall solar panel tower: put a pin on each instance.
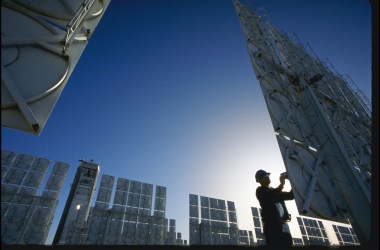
(322, 123)
(78, 203)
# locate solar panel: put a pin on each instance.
(135, 187)
(104, 195)
(232, 217)
(27, 191)
(107, 181)
(254, 210)
(40, 165)
(213, 203)
(205, 201)
(15, 176)
(147, 189)
(41, 216)
(33, 235)
(222, 204)
(256, 222)
(60, 169)
(23, 161)
(160, 192)
(122, 184)
(7, 157)
(33, 179)
(120, 197)
(49, 195)
(159, 204)
(231, 206)
(193, 211)
(193, 199)
(133, 200)
(146, 201)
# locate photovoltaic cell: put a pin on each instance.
(213, 203)
(147, 189)
(135, 199)
(15, 176)
(135, 187)
(256, 222)
(255, 211)
(40, 165)
(231, 206)
(27, 191)
(122, 184)
(299, 221)
(33, 179)
(7, 157)
(49, 195)
(193, 199)
(104, 195)
(107, 181)
(205, 201)
(222, 215)
(120, 197)
(160, 192)
(194, 221)
(159, 204)
(60, 169)
(159, 213)
(194, 211)
(23, 161)
(221, 204)
(232, 217)
(205, 213)
(214, 214)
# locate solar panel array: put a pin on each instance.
(212, 222)
(313, 232)
(26, 217)
(129, 221)
(245, 237)
(346, 235)
(258, 226)
(297, 242)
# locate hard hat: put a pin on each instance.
(261, 173)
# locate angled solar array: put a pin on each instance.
(26, 217)
(322, 124)
(130, 220)
(258, 226)
(213, 222)
(346, 235)
(313, 231)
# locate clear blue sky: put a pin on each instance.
(165, 93)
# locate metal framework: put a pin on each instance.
(40, 35)
(322, 124)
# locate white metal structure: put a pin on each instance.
(323, 126)
(41, 42)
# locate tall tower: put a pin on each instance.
(78, 203)
(321, 121)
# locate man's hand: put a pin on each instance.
(283, 176)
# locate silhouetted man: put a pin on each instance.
(273, 210)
